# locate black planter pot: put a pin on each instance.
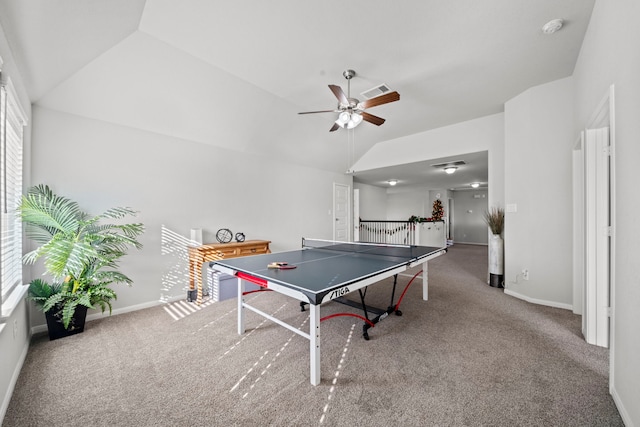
(56, 328)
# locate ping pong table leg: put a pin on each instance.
(425, 281)
(314, 344)
(240, 307)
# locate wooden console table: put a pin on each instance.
(198, 255)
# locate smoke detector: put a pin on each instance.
(552, 26)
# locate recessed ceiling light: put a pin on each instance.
(450, 169)
(392, 182)
(475, 185)
(552, 26)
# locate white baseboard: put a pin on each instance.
(469, 243)
(539, 301)
(99, 315)
(626, 419)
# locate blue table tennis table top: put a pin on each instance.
(332, 265)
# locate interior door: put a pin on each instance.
(597, 222)
(341, 212)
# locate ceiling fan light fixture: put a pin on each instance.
(348, 120)
(450, 169)
(343, 119)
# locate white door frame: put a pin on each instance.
(603, 116)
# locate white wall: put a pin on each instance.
(401, 205)
(177, 185)
(610, 55)
(373, 201)
(468, 217)
(539, 138)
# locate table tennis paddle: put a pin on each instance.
(281, 266)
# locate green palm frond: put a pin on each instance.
(54, 300)
(117, 213)
(102, 296)
(85, 299)
(53, 214)
(38, 234)
(68, 311)
(112, 276)
(64, 257)
(40, 291)
(121, 233)
(31, 257)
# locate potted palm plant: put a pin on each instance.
(80, 253)
(494, 218)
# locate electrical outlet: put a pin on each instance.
(525, 274)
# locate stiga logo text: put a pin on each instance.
(339, 292)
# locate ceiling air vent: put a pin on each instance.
(376, 91)
(452, 163)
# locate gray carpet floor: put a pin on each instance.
(470, 356)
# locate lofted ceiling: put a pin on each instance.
(235, 74)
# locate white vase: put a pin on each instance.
(496, 261)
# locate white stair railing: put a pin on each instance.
(392, 232)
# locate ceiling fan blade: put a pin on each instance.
(339, 93)
(382, 99)
(372, 119)
(323, 111)
(334, 127)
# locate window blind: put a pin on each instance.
(12, 122)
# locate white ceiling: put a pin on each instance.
(234, 74)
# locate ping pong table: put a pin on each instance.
(324, 271)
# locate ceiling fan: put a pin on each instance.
(351, 110)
